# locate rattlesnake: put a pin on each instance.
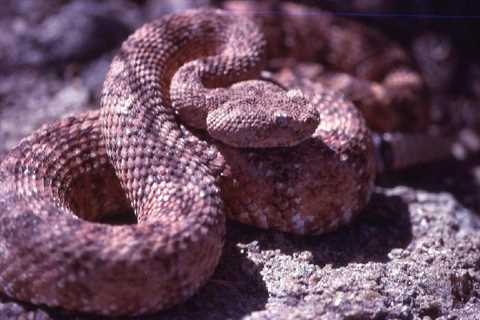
(178, 180)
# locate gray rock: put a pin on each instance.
(79, 31)
(30, 99)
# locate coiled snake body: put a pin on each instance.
(303, 165)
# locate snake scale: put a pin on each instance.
(300, 162)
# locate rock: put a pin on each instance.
(155, 9)
(78, 32)
(31, 99)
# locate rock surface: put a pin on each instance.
(414, 253)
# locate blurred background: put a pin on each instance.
(54, 53)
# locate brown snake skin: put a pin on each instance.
(179, 181)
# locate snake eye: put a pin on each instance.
(281, 119)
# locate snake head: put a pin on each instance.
(262, 115)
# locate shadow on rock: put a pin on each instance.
(382, 226)
(235, 290)
(460, 178)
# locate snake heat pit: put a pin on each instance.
(191, 131)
